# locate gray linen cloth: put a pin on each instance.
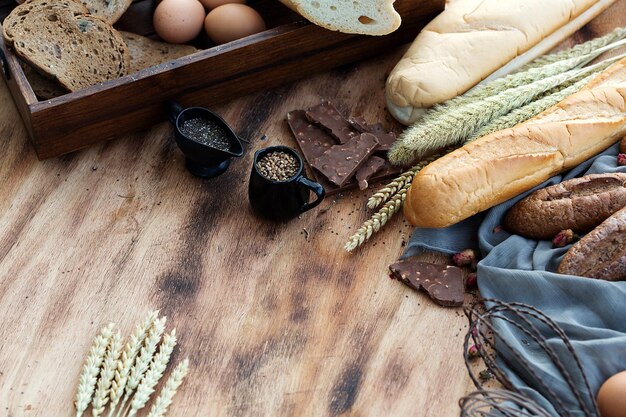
(514, 269)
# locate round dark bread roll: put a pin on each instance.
(601, 254)
(579, 204)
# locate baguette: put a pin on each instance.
(503, 164)
(601, 254)
(473, 38)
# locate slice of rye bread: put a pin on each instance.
(145, 53)
(59, 39)
(109, 10)
(44, 88)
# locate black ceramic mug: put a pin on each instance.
(281, 200)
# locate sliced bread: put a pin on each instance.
(365, 17)
(109, 10)
(59, 39)
(43, 87)
(145, 53)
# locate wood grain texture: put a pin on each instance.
(275, 324)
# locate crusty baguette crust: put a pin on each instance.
(504, 164)
(467, 42)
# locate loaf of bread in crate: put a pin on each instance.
(473, 38)
(579, 204)
(600, 254)
(59, 39)
(365, 17)
(501, 165)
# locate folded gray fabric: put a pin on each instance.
(514, 269)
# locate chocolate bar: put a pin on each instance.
(371, 167)
(443, 283)
(313, 140)
(328, 118)
(386, 139)
(340, 162)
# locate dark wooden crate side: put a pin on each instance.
(266, 60)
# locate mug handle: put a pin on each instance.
(316, 188)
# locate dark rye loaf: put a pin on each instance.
(58, 39)
(579, 204)
(600, 254)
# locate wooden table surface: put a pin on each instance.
(275, 321)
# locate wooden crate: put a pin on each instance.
(290, 49)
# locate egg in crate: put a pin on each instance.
(232, 21)
(178, 21)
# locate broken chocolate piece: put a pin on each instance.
(313, 140)
(371, 167)
(386, 139)
(443, 283)
(340, 162)
(328, 117)
(358, 123)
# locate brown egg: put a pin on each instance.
(232, 21)
(212, 4)
(178, 21)
(612, 396)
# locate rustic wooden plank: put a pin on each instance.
(275, 324)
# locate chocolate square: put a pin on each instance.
(340, 162)
(443, 283)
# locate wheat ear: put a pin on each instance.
(143, 360)
(579, 50)
(127, 360)
(377, 220)
(107, 373)
(163, 401)
(529, 111)
(91, 369)
(435, 133)
(154, 374)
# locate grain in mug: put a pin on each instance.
(278, 166)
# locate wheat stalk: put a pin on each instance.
(143, 360)
(127, 360)
(163, 401)
(91, 369)
(377, 220)
(450, 129)
(579, 50)
(107, 373)
(154, 374)
(528, 111)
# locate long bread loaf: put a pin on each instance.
(503, 164)
(473, 38)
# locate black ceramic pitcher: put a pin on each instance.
(203, 160)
